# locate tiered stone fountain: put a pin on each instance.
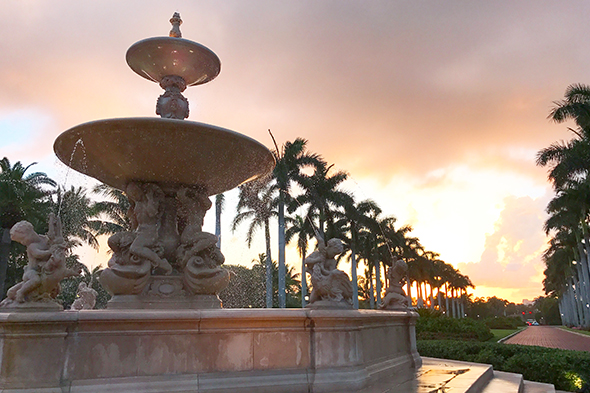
(163, 330)
(168, 167)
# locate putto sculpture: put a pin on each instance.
(46, 267)
(331, 288)
(395, 296)
(85, 298)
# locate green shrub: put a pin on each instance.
(432, 325)
(567, 370)
(429, 313)
(503, 322)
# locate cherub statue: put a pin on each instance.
(395, 297)
(85, 298)
(147, 198)
(46, 265)
(193, 204)
(329, 283)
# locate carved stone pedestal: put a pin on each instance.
(164, 292)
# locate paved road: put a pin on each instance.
(551, 337)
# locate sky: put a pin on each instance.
(435, 109)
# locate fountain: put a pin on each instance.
(164, 329)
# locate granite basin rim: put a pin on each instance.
(174, 152)
(157, 57)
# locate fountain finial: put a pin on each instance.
(176, 22)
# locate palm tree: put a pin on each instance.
(559, 272)
(22, 197)
(568, 221)
(321, 194)
(575, 106)
(257, 204)
(352, 219)
(115, 210)
(303, 229)
(368, 252)
(569, 163)
(290, 160)
(410, 251)
(78, 215)
(219, 204)
(291, 279)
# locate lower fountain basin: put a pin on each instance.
(165, 151)
(221, 351)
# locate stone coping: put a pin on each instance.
(254, 317)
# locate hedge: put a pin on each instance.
(434, 326)
(567, 370)
(504, 322)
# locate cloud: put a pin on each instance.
(512, 254)
(438, 80)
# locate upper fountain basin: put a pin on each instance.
(155, 58)
(167, 151)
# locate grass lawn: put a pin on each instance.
(586, 332)
(501, 333)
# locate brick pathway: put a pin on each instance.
(551, 337)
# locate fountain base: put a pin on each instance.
(231, 350)
(164, 292)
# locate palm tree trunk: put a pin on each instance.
(268, 266)
(378, 281)
(409, 293)
(562, 311)
(578, 303)
(454, 301)
(5, 243)
(355, 283)
(463, 305)
(582, 297)
(431, 297)
(584, 282)
(447, 300)
(321, 220)
(420, 300)
(371, 290)
(574, 320)
(303, 282)
(581, 287)
(282, 294)
(218, 207)
(568, 311)
(584, 263)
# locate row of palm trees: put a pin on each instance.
(304, 194)
(567, 273)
